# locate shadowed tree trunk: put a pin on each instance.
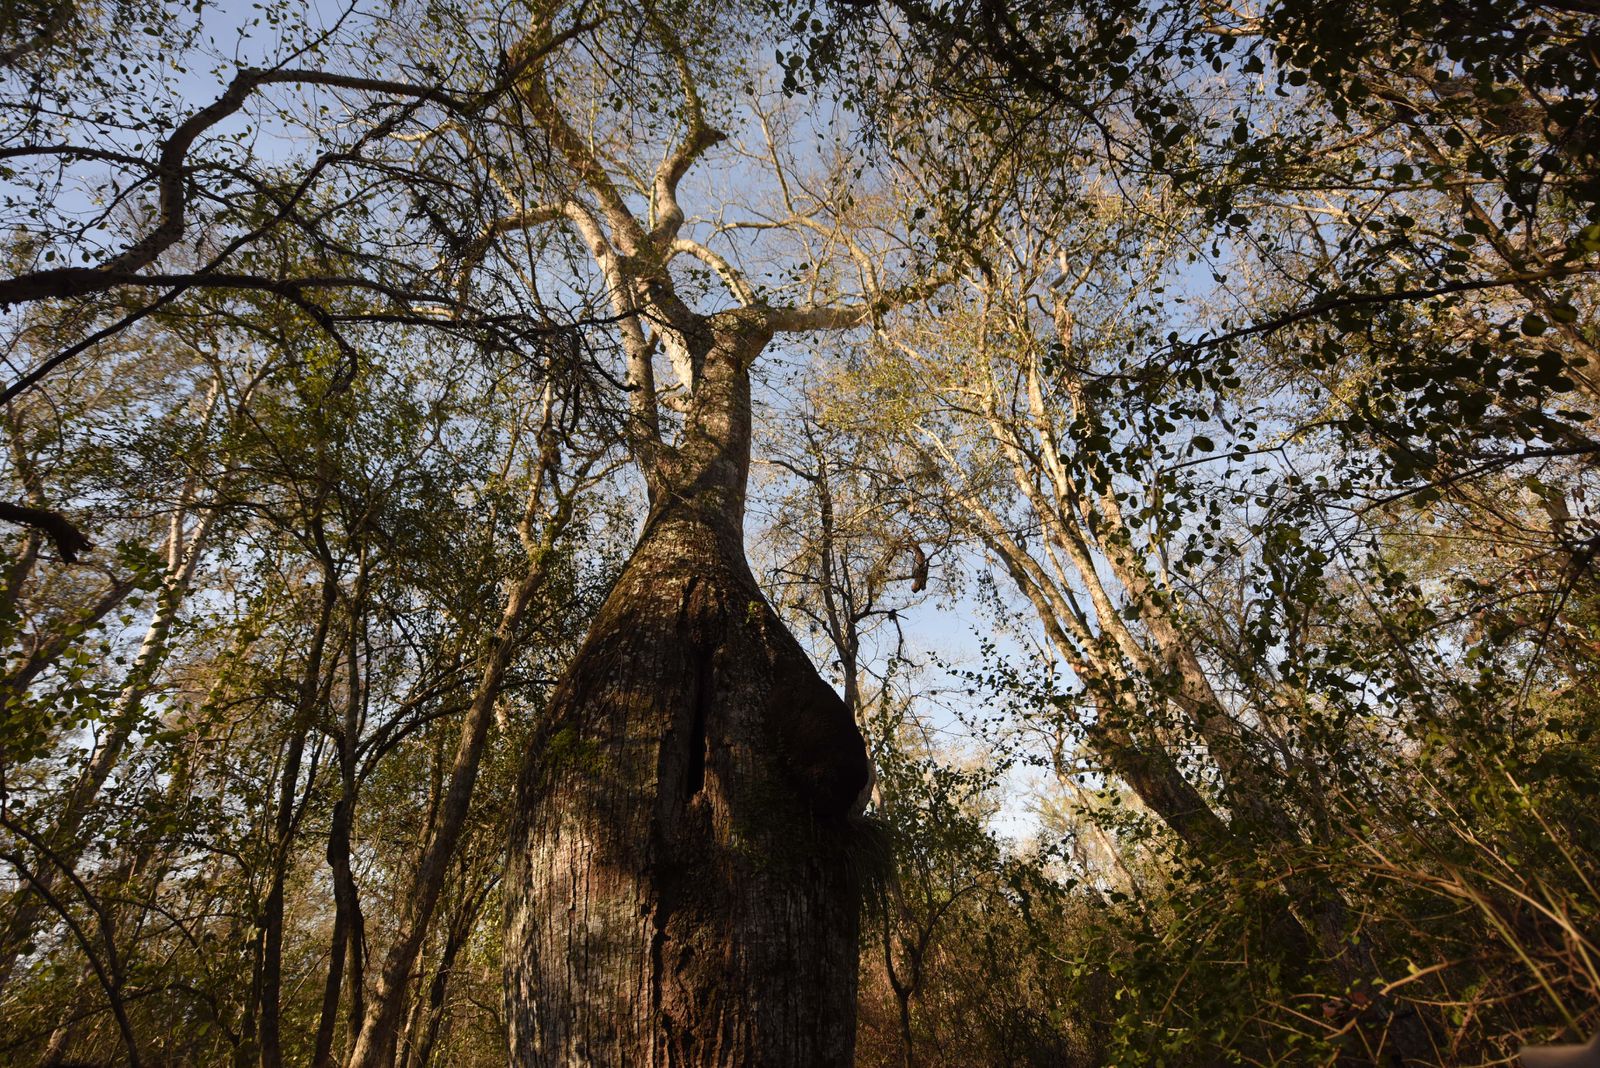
(679, 891)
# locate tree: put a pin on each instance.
(384, 395)
(679, 885)
(129, 197)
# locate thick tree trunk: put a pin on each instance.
(679, 890)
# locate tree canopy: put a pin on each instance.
(882, 532)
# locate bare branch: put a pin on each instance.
(527, 60)
(170, 173)
(731, 276)
(845, 316)
(67, 538)
(697, 138)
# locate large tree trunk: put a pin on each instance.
(679, 889)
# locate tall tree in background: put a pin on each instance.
(1395, 212)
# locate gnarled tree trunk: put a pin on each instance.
(679, 890)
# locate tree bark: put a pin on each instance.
(457, 933)
(679, 889)
(345, 947)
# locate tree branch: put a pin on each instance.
(170, 174)
(844, 316)
(67, 538)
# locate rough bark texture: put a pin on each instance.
(679, 890)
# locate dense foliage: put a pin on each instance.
(1180, 452)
